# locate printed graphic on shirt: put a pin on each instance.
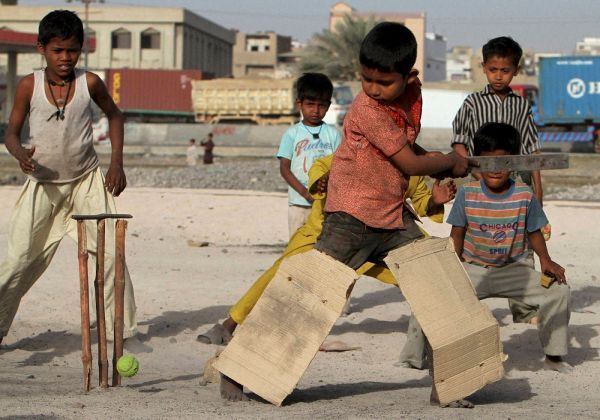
(300, 146)
(496, 225)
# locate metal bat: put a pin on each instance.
(532, 162)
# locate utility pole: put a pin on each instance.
(86, 40)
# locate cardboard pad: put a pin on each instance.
(463, 335)
(272, 349)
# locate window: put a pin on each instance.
(121, 39)
(150, 39)
(254, 48)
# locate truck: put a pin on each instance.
(566, 104)
(147, 95)
(259, 101)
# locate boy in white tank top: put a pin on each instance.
(62, 168)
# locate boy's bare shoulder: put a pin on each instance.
(26, 82)
(92, 79)
(25, 87)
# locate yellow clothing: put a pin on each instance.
(305, 238)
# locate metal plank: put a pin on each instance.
(532, 162)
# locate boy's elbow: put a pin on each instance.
(410, 171)
(116, 116)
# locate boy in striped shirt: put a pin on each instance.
(498, 103)
(494, 222)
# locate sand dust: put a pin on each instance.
(182, 289)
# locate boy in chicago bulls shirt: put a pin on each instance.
(494, 222)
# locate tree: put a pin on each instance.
(336, 53)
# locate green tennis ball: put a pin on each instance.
(127, 365)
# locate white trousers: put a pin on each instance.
(40, 219)
(297, 216)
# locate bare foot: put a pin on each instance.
(218, 334)
(534, 321)
(557, 364)
(458, 404)
(231, 390)
(347, 310)
(434, 400)
(409, 365)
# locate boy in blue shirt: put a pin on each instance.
(306, 142)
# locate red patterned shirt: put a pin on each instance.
(363, 181)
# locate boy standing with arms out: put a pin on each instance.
(62, 167)
(495, 221)
(305, 142)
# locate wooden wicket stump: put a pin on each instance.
(463, 334)
(272, 349)
(119, 296)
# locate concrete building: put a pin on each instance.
(459, 64)
(259, 54)
(136, 37)
(413, 21)
(435, 59)
(589, 46)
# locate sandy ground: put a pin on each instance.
(182, 290)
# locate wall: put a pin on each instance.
(214, 42)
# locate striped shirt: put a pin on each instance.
(485, 107)
(496, 224)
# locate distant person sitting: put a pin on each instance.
(209, 145)
(192, 153)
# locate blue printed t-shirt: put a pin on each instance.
(496, 224)
(302, 149)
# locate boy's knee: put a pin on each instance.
(560, 293)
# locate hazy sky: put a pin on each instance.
(541, 25)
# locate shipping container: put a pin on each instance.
(262, 101)
(153, 95)
(569, 90)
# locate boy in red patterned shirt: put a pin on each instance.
(365, 215)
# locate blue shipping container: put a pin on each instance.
(569, 90)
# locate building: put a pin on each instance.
(260, 54)
(459, 64)
(435, 60)
(136, 37)
(413, 21)
(589, 46)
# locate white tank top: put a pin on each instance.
(64, 149)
